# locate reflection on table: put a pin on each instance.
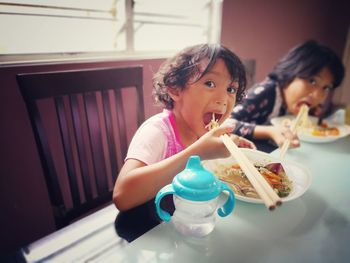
(95, 236)
(79, 241)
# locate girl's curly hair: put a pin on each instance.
(187, 65)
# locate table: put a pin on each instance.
(312, 228)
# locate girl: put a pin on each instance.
(305, 75)
(197, 83)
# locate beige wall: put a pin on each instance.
(266, 30)
(342, 95)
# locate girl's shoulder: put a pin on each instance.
(266, 88)
(156, 125)
(157, 119)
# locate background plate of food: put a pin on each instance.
(309, 131)
(290, 182)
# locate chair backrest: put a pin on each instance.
(82, 121)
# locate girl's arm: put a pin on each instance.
(277, 134)
(138, 183)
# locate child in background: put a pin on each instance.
(307, 74)
(198, 82)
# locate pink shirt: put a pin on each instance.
(156, 139)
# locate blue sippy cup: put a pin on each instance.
(196, 193)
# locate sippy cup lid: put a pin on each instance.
(195, 183)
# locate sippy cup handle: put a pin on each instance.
(227, 208)
(166, 190)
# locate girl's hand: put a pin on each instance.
(280, 134)
(242, 142)
(316, 111)
(210, 145)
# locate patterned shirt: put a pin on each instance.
(262, 103)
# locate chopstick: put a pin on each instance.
(325, 107)
(262, 187)
(302, 113)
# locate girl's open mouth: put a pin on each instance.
(208, 117)
(300, 104)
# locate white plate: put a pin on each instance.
(297, 173)
(306, 135)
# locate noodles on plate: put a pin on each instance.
(238, 181)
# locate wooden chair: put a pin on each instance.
(82, 121)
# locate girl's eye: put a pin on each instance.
(313, 82)
(232, 90)
(328, 88)
(210, 84)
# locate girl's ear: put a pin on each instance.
(174, 93)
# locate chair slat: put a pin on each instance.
(44, 152)
(68, 152)
(121, 123)
(81, 147)
(96, 141)
(109, 131)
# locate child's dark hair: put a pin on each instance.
(305, 61)
(186, 66)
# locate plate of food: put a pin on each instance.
(309, 131)
(290, 180)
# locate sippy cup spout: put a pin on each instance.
(194, 163)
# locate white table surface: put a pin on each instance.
(312, 228)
